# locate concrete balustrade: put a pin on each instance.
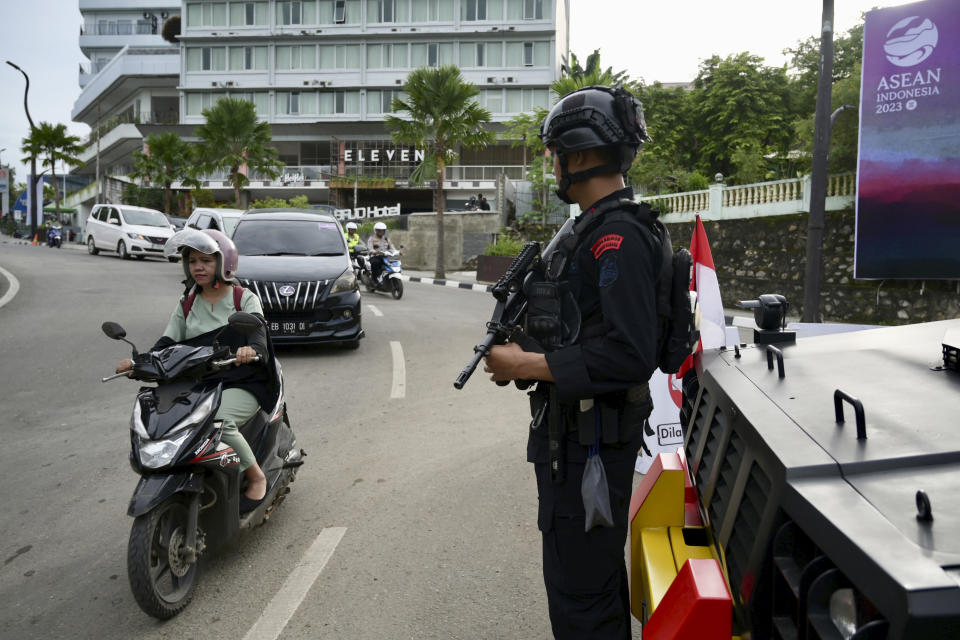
(775, 198)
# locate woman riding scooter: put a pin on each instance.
(209, 261)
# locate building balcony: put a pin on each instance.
(297, 178)
(127, 5)
(131, 69)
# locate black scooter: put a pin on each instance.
(188, 499)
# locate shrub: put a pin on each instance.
(504, 245)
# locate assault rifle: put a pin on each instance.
(508, 313)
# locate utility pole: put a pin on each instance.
(818, 173)
(97, 201)
(32, 180)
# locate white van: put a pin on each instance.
(128, 230)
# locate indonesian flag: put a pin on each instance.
(704, 282)
(663, 432)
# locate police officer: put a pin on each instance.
(597, 386)
(353, 236)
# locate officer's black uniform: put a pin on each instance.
(612, 274)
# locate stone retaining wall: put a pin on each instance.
(465, 235)
(768, 255)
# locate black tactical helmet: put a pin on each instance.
(589, 118)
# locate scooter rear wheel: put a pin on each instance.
(161, 580)
(396, 288)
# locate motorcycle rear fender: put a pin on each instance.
(155, 488)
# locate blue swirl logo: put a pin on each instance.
(910, 41)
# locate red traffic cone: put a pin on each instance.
(35, 236)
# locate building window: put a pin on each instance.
(533, 9)
(340, 11)
(383, 11)
(432, 10)
(250, 14)
(293, 103)
(493, 100)
(381, 101)
(197, 102)
(247, 59)
(290, 12)
(296, 57)
(206, 59)
(145, 28)
(481, 49)
(474, 10)
(207, 14)
(431, 55)
(528, 54)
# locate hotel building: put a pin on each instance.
(323, 73)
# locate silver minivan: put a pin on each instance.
(128, 230)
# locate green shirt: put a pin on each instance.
(204, 318)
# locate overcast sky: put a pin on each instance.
(661, 40)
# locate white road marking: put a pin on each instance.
(12, 290)
(399, 388)
(376, 311)
(285, 603)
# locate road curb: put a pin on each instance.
(485, 288)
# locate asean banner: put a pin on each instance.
(908, 183)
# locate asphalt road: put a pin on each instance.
(432, 488)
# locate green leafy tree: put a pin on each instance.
(805, 65)
(439, 115)
(53, 145)
(232, 138)
(166, 159)
(738, 101)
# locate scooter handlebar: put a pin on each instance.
(229, 361)
(218, 364)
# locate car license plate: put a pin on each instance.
(288, 328)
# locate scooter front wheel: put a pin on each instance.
(396, 288)
(161, 579)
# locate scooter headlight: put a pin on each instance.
(155, 454)
(136, 421)
(346, 282)
(198, 415)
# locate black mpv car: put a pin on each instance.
(297, 263)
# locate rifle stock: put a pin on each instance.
(508, 312)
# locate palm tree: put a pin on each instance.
(165, 160)
(574, 76)
(439, 115)
(233, 139)
(53, 144)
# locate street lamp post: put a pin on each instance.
(32, 181)
(818, 173)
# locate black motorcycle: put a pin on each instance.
(188, 500)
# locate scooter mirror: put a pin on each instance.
(245, 323)
(113, 330)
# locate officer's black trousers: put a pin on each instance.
(584, 572)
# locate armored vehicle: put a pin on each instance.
(817, 490)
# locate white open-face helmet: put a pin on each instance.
(380, 227)
(351, 226)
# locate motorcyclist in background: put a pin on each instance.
(378, 242)
(353, 237)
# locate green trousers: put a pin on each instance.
(236, 407)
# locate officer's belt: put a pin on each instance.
(611, 410)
